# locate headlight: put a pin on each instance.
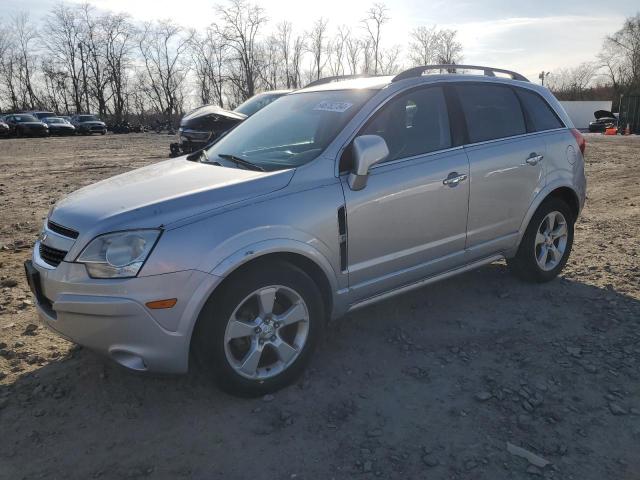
(119, 254)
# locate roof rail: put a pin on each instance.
(451, 68)
(337, 78)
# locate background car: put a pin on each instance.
(4, 128)
(204, 124)
(26, 125)
(86, 124)
(604, 119)
(59, 126)
(41, 114)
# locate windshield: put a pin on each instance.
(255, 103)
(25, 118)
(54, 120)
(292, 131)
(88, 118)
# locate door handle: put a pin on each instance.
(454, 178)
(534, 159)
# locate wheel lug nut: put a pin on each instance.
(273, 338)
(261, 341)
(276, 324)
(258, 330)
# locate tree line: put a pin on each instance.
(79, 59)
(614, 72)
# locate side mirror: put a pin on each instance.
(367, 151)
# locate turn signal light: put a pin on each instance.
(157, 304)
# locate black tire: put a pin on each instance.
(208, 344)
(524, 265)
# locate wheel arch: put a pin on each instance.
(562, 191)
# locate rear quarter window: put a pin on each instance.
(491, 112)
(540, 116)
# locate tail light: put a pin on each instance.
(580, 139)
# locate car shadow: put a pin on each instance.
(389, 383)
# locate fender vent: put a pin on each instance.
(342, 231)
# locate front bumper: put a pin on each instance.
(110, 316)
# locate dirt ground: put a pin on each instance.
(433, 384)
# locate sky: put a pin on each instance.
(527, 37)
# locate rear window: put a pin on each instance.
(540, 115)
(491, 111)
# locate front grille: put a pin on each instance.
(52, 256)
(64, 231)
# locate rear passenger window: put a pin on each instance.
(413, 123)
(491, 111)
(540, 115)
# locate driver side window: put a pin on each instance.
(413, 123)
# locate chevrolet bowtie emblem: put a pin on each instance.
(43, 236)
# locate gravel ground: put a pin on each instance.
(478, 377)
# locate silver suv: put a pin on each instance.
(331, 198)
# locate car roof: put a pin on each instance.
(417, 76)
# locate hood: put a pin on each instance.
(160, 194)
(206, 117)
(32, 124)
(603, 114)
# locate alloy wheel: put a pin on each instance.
(551, 241)
(266, 332)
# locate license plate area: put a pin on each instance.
(33, 280)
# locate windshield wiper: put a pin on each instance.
(241, 161)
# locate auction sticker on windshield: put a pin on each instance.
(328, 106)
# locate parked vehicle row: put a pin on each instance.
(43, 124)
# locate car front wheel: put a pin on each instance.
(546, 244)
(257, 334)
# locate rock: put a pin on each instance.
(2, 375)
(429, 460)
(617, 409)
(532, 470)
(268, 398)
(30, 329)
(367, 466)
(483, 396)
(531, 457)
(8, 283)
(574, 351)
(374, 433)
(527, 406)
(470, 464)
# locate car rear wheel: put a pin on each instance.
(257, 334)
(546, 244)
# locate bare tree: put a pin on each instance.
(64, 33)
(317, 39)
(92, 43)
(337, 51)
(25, 34)
(241, 23)
(376, 17)
(209, 55)
(118, 36)
(390, 60)
(354, 51)
(621, 55)
(448, 48)
(163, 47)
(571, 83)
(424, 46)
